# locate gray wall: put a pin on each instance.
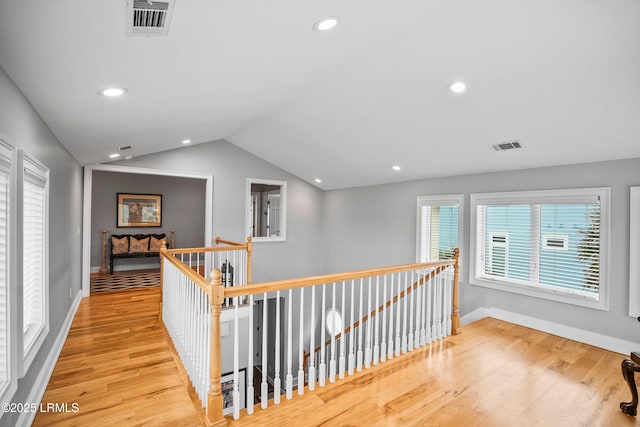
(374, 226)
(300, 255)
(22, 125)
(183, 209)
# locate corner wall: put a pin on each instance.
(374, 226)
(22, 125)
(298, 256)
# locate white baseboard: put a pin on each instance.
(42, 380)
(595, 339)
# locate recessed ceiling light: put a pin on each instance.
(396, 167)
(326, 24)
(458, 87)
(318, 180)
(114, 155)
(112, 91)
(128, 158)
(186, 141)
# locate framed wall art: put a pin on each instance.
(139, 210)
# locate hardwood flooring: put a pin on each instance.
(118, 367)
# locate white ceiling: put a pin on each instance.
(563, 77)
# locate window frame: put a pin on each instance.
(10, 386)
(545, 197)
(634, 251)
(439, 200)
(29, 168)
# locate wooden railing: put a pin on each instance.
(399, 309)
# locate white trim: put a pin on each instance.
(42, 380)
(634, 252)
(439, 200)
(606, 342)
(29, 169)
(86, 208)
(283, 209)
(579, 195)
(131, 267)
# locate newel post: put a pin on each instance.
(103, 259)
(455, 315)
(214, 399)
(249, 253)
(163, 254)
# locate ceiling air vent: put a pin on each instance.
(149, 18)
(124, 147)
(503, 146)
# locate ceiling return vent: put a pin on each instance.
(503, 146)
(149, 18)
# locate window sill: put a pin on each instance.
(547, 293)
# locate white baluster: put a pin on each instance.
(312, 347)
(277, 386)
(449, 305)
(367, 349)
(423, 296)
(418, 290)
(359, 353)
(236, 360)
(342, 360)
(390, 347)
(332, 362)
(301, 346)
(322, 368)
(376, 335)
(352, 333)
(383, 343)
(289, 378)
(410, 337)
(250, 390)
(404, 315)
(398, 313)
(264, 387)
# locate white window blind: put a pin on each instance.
(439, 226)
(554, 244)
(34, 194)
(33, 258)
(8, 375)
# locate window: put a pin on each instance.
(634, 252)
(549, 244)
(8, 376)
(33, 187)
(439, 226)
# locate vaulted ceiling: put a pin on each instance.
(561, 77)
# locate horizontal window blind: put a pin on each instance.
(34, 210)
(4, 275)
(438, 223)
(519, 243)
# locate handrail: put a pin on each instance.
(376, 311)
(304, 282)
(190, 273)
(230, 243)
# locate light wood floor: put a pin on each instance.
(117, 366)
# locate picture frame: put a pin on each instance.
(226, 383)
(139, 210)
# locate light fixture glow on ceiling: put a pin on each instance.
(318, 180)
(112, 91)
(396, 167)
(186, 141)
(458, 87)
(326, 24)
(114, 155)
